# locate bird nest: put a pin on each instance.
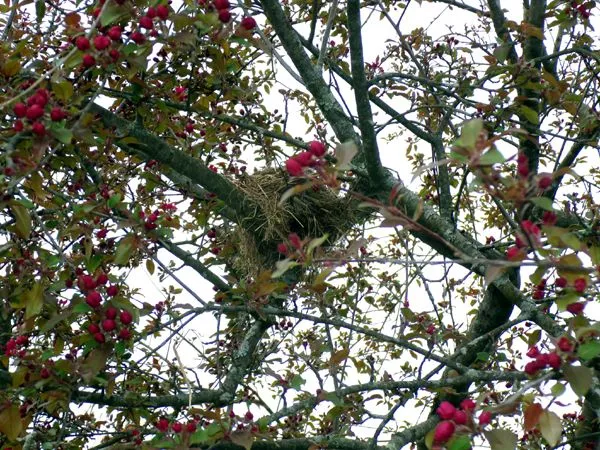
(312, 213)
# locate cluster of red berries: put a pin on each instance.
(90, 285)
(549, 218)
(163, 425)
(294, 242)
(579, 285)
(103, 43)
(284, 325)
(248, 23)
(212, 235)
(222, 7)
(576, 308)
(296, 165)
(243, 423)
(424, 322)
(34, 111)
(574, 9)
(45, 373)
(160, 12)
(109, 326)
(457, 420)
(541, 361)
(530, 234)
(150, 220)
(16, 346)
(224, 13)
(539, 290)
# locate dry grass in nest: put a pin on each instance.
(312, 213)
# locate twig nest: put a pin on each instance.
(314, 212)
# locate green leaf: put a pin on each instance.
(22, 220)
(461, 442)
(429, 437)
(501, 439)
(537, 276)
(112, 13)
(551, 427)
(81, 308)
(565, 300)
(594, 252)
(491, 157)
(74, 60)
(114, 200)
(61, 134)
(94, 262)
(317, 242)
(558, 389)
(333, 398)
(529, 114)
(150, 266)
(501, 52)
(214, 429)
(469, 134)
(542, 202)
(120, 348)
(458, 157)
(124, 250)
(483, 356)
(94, 364)
(580, 378)
(54, 320)
(589, 350)
(571, 241)
(297, 382)
(10, 422)
(200, 436)
(63, 90)
(33, 300)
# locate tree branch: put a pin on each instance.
(192, 262)
(361, 95)
(313, 80)
(195, 170)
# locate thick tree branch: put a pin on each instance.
(132, 400)
(243, 359)
(218, 398)
(300, 444)
(195, 170)
(502, 32)
(361, 96)
(313, 80)
(192, 262)
(402, 120)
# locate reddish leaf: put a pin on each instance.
(532, 415)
